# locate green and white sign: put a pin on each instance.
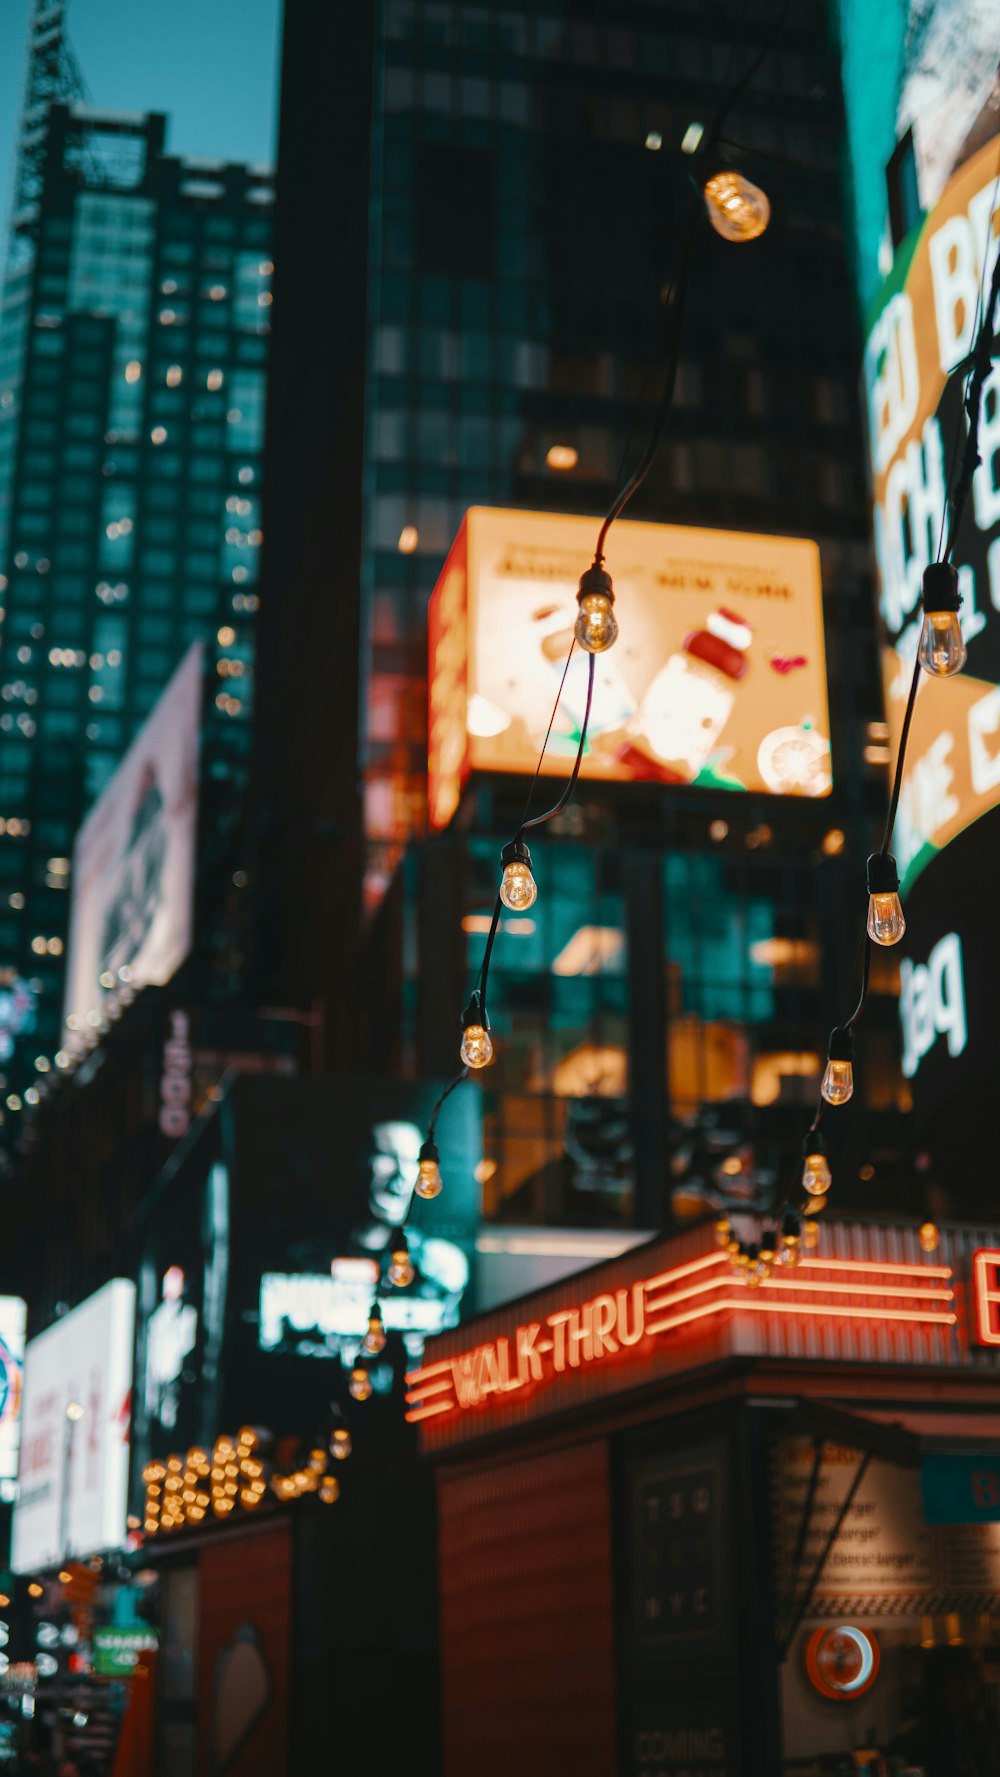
(116, 1652)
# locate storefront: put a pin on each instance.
(691, 1529)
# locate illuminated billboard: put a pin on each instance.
(75, 1442)
(133, 862)
(717, 679)
(12, 1321)
(920, 86)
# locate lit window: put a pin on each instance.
(133, 370)
(167, 317)
(691, 139)
(217, 292)
(654, 141)
(174, 376)
(214, 379)
(159, 434)
(409, 537)
(226, 636)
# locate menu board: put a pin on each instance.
(884, 1551)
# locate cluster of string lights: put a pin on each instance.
(739, 211)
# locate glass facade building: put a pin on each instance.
(664, 1007)
(133, 362)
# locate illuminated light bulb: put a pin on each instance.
(596, 628)
(722, 1233)
(429, 1180)
(816, 1175)
(374, 1339)
(737, 209)
(941, 650)
(810, 1234)
(329, 1492)
(886, 924)
(360, 1384)
(768, 1247)
(518, 889)
(929, 1238)
(838, 1078)
(477, 1046)
(340, 1443)
(401, 1270)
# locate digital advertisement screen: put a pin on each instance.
(75, 1435)
(134, 859)
(925, 327)
(717, 678)
(923, 114)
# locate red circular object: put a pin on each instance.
(842, 1662)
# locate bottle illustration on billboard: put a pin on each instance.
(685, 710)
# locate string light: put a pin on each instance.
(941, 650)
(596, 627)
(518, 890)
(401, 1270)
(837, 1085)
(360, 1384)
(374, 1339)
(429, 1181)
(341, 1443)
(816, 1176)
(737, 209)
(886, 924)
(477, 1044)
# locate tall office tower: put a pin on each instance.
(496, 309)
(133, 362)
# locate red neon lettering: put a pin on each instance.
(604, 1310)
(986, 1294)
(885, 1293)
(529, 1364)
(638, 1314)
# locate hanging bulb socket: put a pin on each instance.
(886, 924)
(374, 1339)
(838, 1079)
(941, 650)
(768, 1245)
(518, 890)
(429, 1179)
(477, 1045)
(816, 1175)
(596, 626)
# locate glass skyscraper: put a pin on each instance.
(133, 363)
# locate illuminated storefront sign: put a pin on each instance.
(617, 1326)
(986, 1295)
(116, 1652)
(718, 677)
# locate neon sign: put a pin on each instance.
(986, 1295)
(609, 1326)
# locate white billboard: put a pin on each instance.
(133, 862)
(12, 1323)
(75, 1433)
